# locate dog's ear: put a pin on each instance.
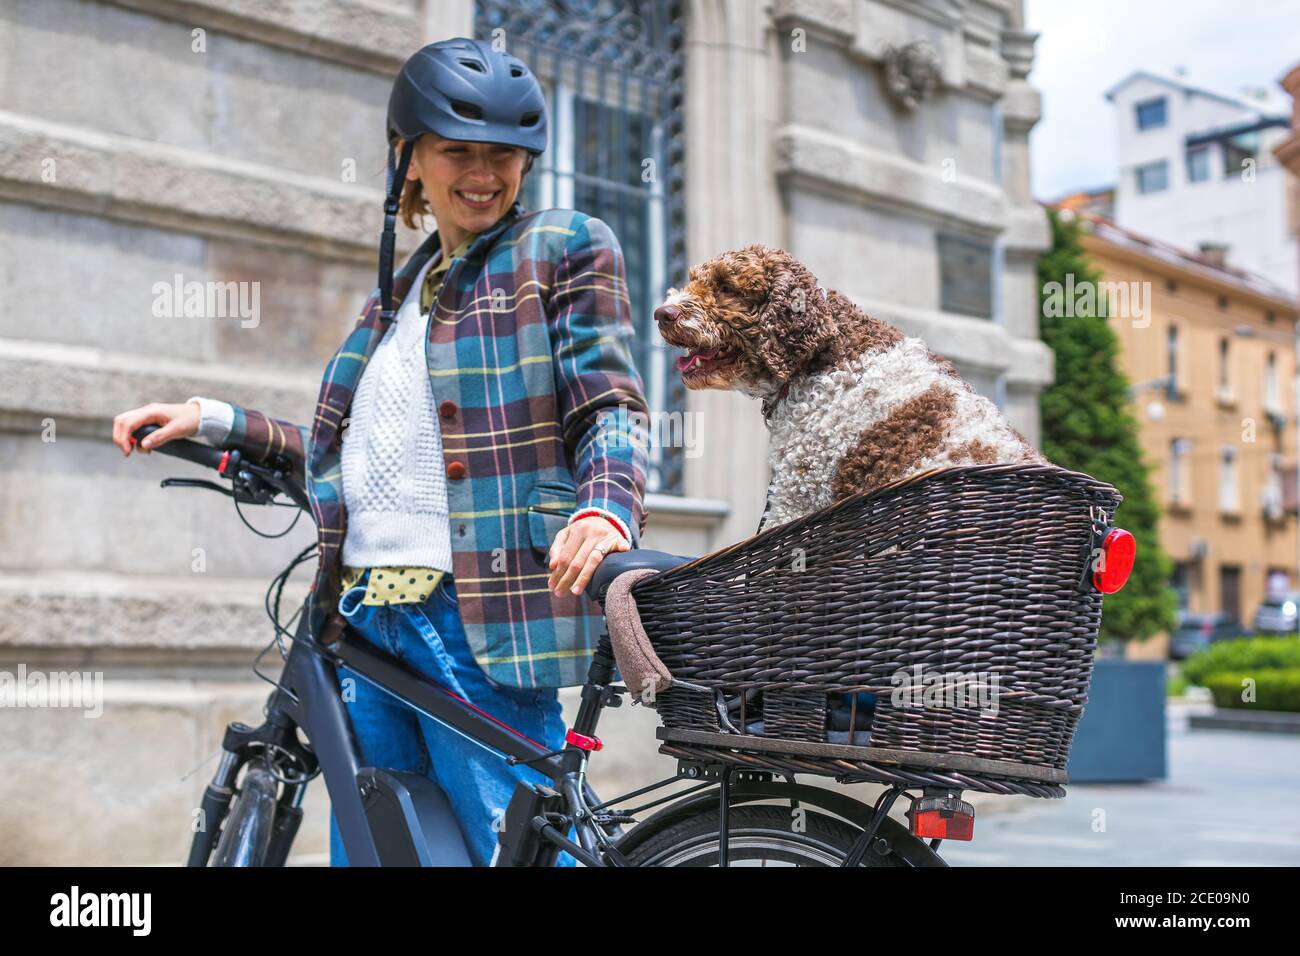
(796, 318)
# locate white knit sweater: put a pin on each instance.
(394, 478)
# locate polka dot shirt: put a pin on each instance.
(394, 585)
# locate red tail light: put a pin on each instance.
(1115, 562)
(942, 818)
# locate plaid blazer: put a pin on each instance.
(542, 411)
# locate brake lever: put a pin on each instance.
(274, 480)
(245, 497)
(193, 483)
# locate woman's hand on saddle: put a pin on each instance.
(578, 549)
(177, 421)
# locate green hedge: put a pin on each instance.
(1246, 655)
(1274, 689)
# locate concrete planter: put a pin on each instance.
(1121, 735)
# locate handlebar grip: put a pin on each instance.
(204, 455)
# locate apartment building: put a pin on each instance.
(1197, 170)
(1211, 355)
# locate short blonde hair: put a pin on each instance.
(413, 205)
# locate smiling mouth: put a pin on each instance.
(703, 359)
(477, 200)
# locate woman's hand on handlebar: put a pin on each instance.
(177, 421)
(578, 549)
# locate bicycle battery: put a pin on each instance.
(411, 820)
(520, 843)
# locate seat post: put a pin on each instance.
(596, 692)
(602, 661)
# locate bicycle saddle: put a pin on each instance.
(619, 561)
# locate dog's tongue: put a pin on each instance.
(686, 362)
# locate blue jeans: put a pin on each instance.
(430, 637)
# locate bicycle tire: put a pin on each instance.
(756, 833)
(246, 831)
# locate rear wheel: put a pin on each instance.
(758, 835)
(246, 831)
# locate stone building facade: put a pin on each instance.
(146, 144)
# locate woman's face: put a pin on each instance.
(469, 186)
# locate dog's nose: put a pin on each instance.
(667, 314)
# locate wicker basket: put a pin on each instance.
(973, 573)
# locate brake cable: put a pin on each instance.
(282, 504)
(273, 613)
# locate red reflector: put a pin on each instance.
(942, 818)
(943, 825)
(221, 465)
(1115, 561)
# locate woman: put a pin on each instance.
(474, 454)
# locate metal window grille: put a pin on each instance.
(613, 71)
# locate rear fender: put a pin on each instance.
(912, 850)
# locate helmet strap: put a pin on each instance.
(387, 243)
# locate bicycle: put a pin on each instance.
(727, 815)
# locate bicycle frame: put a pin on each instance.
(309, 696)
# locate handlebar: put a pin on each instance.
(204, 455)
(250, 483)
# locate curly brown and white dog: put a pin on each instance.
(850, 401)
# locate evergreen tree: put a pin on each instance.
(1087, 427)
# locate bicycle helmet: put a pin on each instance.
(458, 89)
(463, 89)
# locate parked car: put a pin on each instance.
(1277, 615)
(1198, 631)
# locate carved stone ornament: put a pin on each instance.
(911, 73)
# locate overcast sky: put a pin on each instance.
(1086, 46)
